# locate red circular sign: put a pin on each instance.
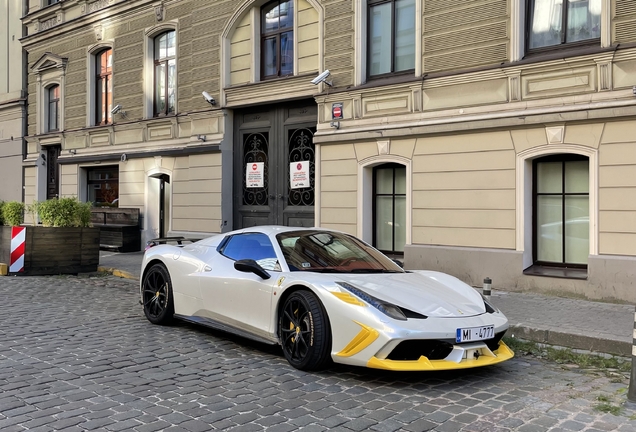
(254, 166)
(337, 112)
(299, 166)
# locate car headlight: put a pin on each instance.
(386, 308)
(490, 308)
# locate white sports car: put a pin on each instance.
(323, 296)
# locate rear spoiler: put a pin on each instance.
(163, 240)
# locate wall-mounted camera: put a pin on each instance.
(209, 99)
(117, 108)
(322, 78)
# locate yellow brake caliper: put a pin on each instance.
(291, 326)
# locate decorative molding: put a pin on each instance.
(99, 32)
(384, 147)
(604, 76)
(555, 134)
(90, 7)
(514, 83)
(160, 11)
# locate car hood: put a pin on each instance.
(432, 294)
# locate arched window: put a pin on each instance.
(277, 39)
(389, 207)
(561, 210)
(103, 86)
(53, 108)
(165, 73)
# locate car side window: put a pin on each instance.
(254, 246)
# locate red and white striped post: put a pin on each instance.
(631, 393)
(18, 240)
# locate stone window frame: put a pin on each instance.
(91, 82)
(518, 28)
(524, 195)
(149, 67)
(49, 70)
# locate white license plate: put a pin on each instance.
(475, 334)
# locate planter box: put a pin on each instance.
(119, 228)
(50, 251)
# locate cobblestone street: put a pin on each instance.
(76, 353)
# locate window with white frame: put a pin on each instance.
(389, 207)
(53, 108)
(556, 23)
(165, 73)
(391, 36)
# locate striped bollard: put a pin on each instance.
(18, 240)
(631, 393)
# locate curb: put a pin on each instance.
(573, 341)
(119, 273)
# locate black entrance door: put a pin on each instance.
(52, 172)
(274, 165)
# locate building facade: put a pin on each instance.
(483, 138)
(12, 99)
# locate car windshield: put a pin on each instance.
(332, 252)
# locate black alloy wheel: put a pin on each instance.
(304, 332)
(157, 295)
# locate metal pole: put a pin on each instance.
(631, 393)
(487, 286)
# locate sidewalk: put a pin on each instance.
(579, 324)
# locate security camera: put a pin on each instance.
(209, 99)
(322, 78)
(115, 109)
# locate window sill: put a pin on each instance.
(557, 272)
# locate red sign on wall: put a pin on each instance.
(336, 111)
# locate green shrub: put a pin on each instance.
(13, 213)
(32, 210)
(64, 212)
(1, 217)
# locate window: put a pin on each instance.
(389, 212)
(552, 23)
(103, 186)
(391, 36)
(103, 86)
(561, 210)
(50, 2)
(165, 79)
(255, 246)
(53, 108)
(277, 39)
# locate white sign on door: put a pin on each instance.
(255, 175)
(299, 175)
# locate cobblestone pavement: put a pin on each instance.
(76, 353)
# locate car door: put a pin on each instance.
(240, 299)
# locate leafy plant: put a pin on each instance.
(64, 212)
(1, 217)
(32, 210)
(13, 213)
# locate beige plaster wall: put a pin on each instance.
(339, 187)
(307, 37)
(617, 189)
(241, 52)
(464, 191)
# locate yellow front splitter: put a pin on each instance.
(502, 353)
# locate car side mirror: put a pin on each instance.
(251, 266)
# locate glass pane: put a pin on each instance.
(380, 39)
(549, 177)
(109, 98)
(404, 35)
(270, 18)
(546, 23)
(255, 154)
(172, 88)
(384, 223)
(400, 180)
(577, 229)
(160, 88)
(384, 181)
(549, 229)
(101, 88)
(577, 179)
(400, 223)
(287, 14)
(165, 45)
(584, 20)
(53, 116)
(287, 53)
(269, 57)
